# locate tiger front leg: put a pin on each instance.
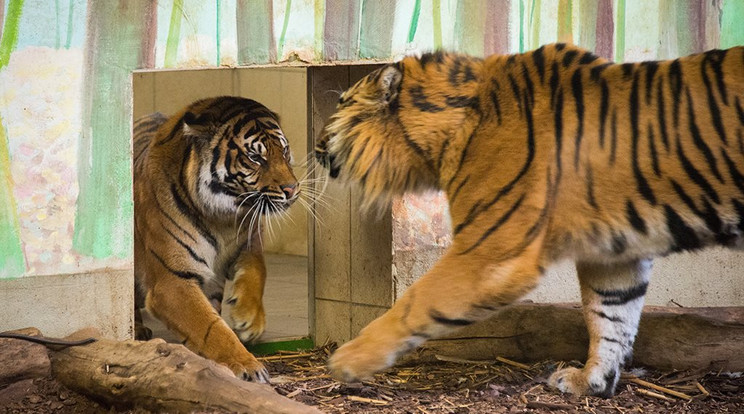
(458, 291)
(183, 307)
(612, 299)
(242, 303)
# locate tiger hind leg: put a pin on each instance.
(458, 291)
(612, 298)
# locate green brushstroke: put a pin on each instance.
(565, 21)
(10, 31)
(521, 26)
(174, 34)
(283, 36)
(732, 26)
(620, 32)
(588, 24)
(68, 42)
(437, 23)
(12, 262)
(255, 32)
(470, 21)
(535, 24)
(58, 29)
(376, 29)
(414, 21)
(319, 11)
(104, 207)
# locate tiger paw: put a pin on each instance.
(247, 320)
(248, 368)
(581, 382)
(360, 359)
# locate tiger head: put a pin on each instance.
(243, 156)
(388, 131)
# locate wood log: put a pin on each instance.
(668, 338)
(21, 359)
(162, 377)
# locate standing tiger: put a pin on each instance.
(202, 180)
(548, 155)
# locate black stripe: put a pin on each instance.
(675, 84)
(652, 150)
(517, 94)
(510, 185)
(714, 58)
(183, 275)
(715, 111)
(596, 72)
(177, 128)
(190, 216)
(613, 136)
(614, 297)
(699, 142)
(651, 68)
(496, 105)
(459, 187)
(604, 108)
(619, 244)
(684, 237)
(569, 57)
(439, 159)
(739, 207)
(641, 182)
(609, 318)
(739, 111)
(695, 175)
(419, 100)
(661, 116)
(689, 202)
(503, 219)
(441, 319)
(554, 83)
(529, 86)
(188, 248)
(627, 69)
(462, 160)
(736, 175)
(613, 340)
(588, 58)
(634, 218)
(558, 122)
(461, 101)
(578, 95)
(590, 187)
(538, 58)
(209, 329)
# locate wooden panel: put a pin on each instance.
(331, 238)
(174, 90)
(333, 321)
(143, 96)
(371, 241)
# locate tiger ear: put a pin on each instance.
(199, 126)
(389, 82)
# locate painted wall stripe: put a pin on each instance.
(732, 29)
(376, 34)
(341, 29)
(256, 42)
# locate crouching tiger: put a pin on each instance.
(202, 180)
(548, 155)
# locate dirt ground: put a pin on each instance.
(447, 386)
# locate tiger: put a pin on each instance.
(544, 156)
(203, 178)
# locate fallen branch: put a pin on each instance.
(158, 376)
(665, 390)
(21, 359)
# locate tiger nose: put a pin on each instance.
(289, 190)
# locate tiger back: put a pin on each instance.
(203, 179)
(548, 155)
